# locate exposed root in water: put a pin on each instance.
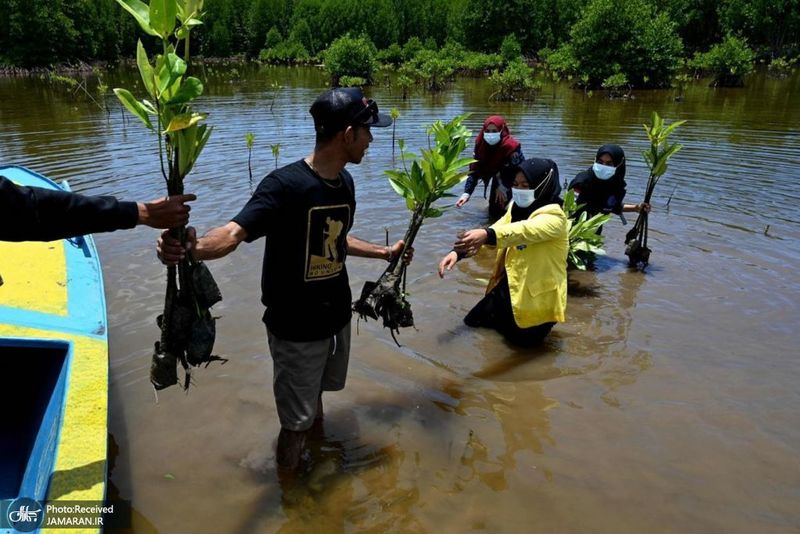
(636, 240)
(385, 299)
(188, 330)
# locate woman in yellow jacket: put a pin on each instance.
(527, 293)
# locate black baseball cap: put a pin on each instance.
(336, 109)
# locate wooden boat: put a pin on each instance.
(53, 366)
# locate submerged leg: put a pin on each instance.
(289, 450)
(316, 428)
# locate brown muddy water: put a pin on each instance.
(668, 401)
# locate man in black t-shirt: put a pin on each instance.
(305, 210)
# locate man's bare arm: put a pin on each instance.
(216, 243)
(365, 249)
(219, 242)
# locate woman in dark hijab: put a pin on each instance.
(497, 154)
(601, 187)
(527, 293)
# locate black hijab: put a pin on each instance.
(536, 171)
(598, 194)
(617, 156)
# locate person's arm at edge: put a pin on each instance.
(636, 207)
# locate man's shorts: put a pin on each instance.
(304, 369)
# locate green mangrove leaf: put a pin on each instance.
(399, 188)
(184, 120)
(171, 69)
(187, 9)
(133, 105)
(203, 133)
(186, 140)
(149, 107)
(190, 89)
(145, 70)
(162, 16)
(140, 12)
(433, 213)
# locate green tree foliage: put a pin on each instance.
(27, 22)
(626, 36)
(697, 22)
(515, 82)
(350, 56)
(636, 38)
(263, 15)
(273, 38)
(510, 49)
(773, 25)
(729, 61)
(301, 33)
(486, 24)
(373, 18)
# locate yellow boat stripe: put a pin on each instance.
(34, 276)
(80, 466)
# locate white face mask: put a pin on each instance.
(491, 138)
(603, 172)
(523, 197)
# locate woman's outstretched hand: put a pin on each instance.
(470, 241)
(447, 262)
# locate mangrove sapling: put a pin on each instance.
(429, 178)
(187, 326)
(276, 151)
(395, 114)
(250, 138)
(584, 241)
(81, 86)
(660, 151)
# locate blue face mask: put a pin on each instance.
(603, 172)
(523, 197)
(491, 138)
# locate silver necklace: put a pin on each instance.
(325, 181)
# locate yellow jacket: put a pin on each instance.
(534, 254)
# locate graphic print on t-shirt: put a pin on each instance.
(325, 242)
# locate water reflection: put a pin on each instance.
(344, 479)
(483, 459)
(608, 311)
